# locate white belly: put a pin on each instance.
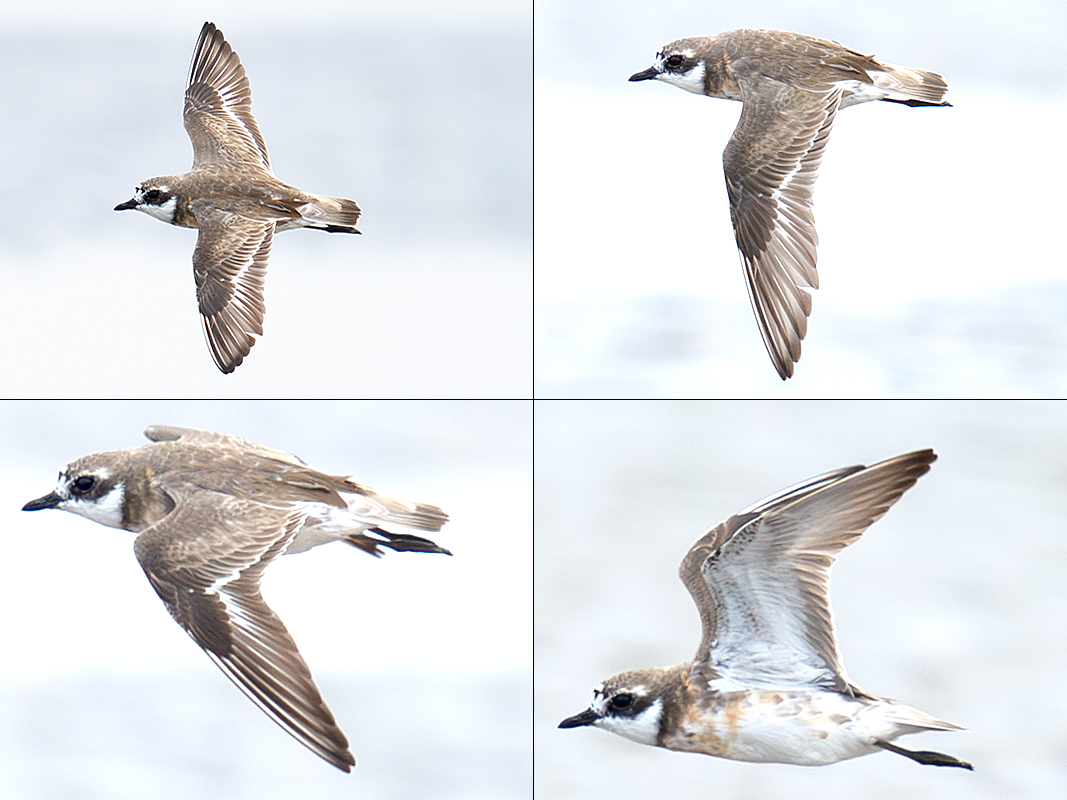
(792, 727)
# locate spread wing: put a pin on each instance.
(205, 560)
(761, 578)
(218, 108)
(230, 267)
(771, 163)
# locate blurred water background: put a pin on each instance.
(424, 661)
(419, 112)
(953, 602)
(940, 273)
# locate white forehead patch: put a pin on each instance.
(65, 477)
(599, 701)
(106, 509)
(147, 187)
(692, 81)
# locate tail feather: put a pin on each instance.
(367, 504)
(913, 87)
(333, 214)
(913, 718)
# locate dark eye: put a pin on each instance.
(622, 701)
(675, 61)
(82, 484)
(153, 195)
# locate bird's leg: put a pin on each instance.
(925, 756)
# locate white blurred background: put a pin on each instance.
(419, 112)
(954, 602)
(424, 660)
(940, 269)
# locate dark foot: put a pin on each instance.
(918, 103)
(408, 543)
(925, 756)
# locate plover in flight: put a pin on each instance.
(233, 198)
(211, 512)
(792, 87)
(768, 683)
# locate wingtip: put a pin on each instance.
(345, 762)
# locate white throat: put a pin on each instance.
(106, 509)
(164, 212)
(692, 81)
(643, 728)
